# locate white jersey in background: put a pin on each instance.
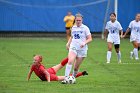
(135, 31)
(113, 29)
(79, 35)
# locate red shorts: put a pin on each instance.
(52, 73)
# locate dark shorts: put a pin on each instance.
(67, 28)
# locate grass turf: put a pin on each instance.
(16, 57)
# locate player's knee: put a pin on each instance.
(75, 68)
(70, 61)
(109, 49)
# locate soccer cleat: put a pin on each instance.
(64, 82)
(136, 58)
(131, 55)
(119, 61)
(84, 73)
(107, 62)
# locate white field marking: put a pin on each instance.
(18, 65)
(124, 63)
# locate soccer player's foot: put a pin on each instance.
(85, 73)
(64, 81)
(108, 62)
(119, 61)
(131, 55)
(136, 58)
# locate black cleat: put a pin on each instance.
(84, 73)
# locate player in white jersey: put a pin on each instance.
(113, 29)
(77, 45)
(134, 27)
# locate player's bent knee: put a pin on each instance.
(76, 69)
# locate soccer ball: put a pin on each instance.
(70, 80)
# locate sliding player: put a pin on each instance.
(113, 29)
(49, 74)
(134, 27)
(77, 45)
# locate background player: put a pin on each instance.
(77, 45)
(50, 73)
(134, 27)
(113, 29)
(69, 20)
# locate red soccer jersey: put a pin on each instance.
(39, 71)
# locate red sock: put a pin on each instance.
(64, 61)
(79, 74)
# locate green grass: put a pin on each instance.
(16, 56)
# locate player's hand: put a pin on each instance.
(67, 46)
(123, 36)
(82, 45)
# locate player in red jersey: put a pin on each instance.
(49, 74)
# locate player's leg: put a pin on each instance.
(139, 47)
(71, 56)
(68, 33)
(109, 52)
(79, 60)
(117, 48)
(135, 50)
(61, 65)
(61, 78)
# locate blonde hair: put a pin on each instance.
(79, 15)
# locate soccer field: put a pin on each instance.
(16, 57)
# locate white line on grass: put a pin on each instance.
(124, 63)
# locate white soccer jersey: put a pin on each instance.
(79, 36)
(135, 30)
(113, 29)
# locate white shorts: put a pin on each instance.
(113, 40)
(79, 53)
(135, 38)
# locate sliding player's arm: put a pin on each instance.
(29, 75)
(47, 75)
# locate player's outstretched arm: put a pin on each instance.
(29, 75)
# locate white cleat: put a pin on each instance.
(131, 55)
(119, 62)
(64, 81)
(107, 62)
(136, 58)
